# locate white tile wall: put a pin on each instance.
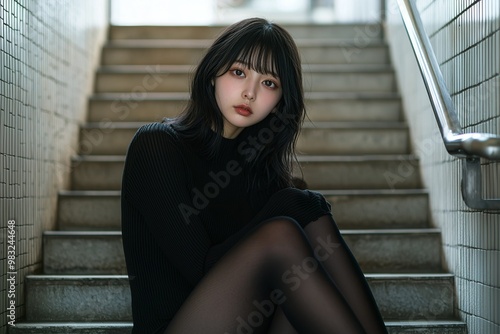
(466, 38)
(48, 52)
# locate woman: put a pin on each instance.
(216, 238)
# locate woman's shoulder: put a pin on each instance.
(161, 132)
(155, 139)
(159, 128)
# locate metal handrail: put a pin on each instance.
(470, 146)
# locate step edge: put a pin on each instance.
(204, 43)
(378, 192)
(355, 192)
(223, 25)
(124, 324)
(89, 193)
(82, 234)
(316, 95)
(357, 158)
(116, 125)
(414, 323)
(301, 158)
(390, 231)
(372, 276)
(188, 69)
(413, 276)
(355, 125)
(70, 278)
(90, 325)
(308, 125)
(98, 158)
(353, 232)
(149, 96)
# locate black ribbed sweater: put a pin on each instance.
(181, 211)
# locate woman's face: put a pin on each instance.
(245, 97)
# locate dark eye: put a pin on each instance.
(238, 72)
(270, 84)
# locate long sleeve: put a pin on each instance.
(155, 181)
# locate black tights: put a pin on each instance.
(283, 279)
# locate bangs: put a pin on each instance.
(257, 44)
(259, 58)
(258, 52)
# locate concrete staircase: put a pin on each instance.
(355, 149)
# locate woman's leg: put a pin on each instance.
(273, 265)
(344, 270)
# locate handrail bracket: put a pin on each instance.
(472, 189)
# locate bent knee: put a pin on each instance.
(283, 224)
(281, 236)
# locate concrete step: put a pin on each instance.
(396, 251)
(382, 209)
(356, 34)
(135, 107)
(323, 138)
(316, 138)
(353, 106)
(104, 172)
(97, 172)
(326, 106)
(394, 327)
(89, 210)
(312, 52)
(83, 253)
(355, 209)
(337, 78)
(77, 298)
(101, 253)
(107, 298)
(359, 172)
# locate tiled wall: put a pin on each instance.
(466, 38)
(48, 52)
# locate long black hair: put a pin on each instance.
(266, 48)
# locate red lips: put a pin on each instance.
(243, 109)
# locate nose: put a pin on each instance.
(249, 93)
